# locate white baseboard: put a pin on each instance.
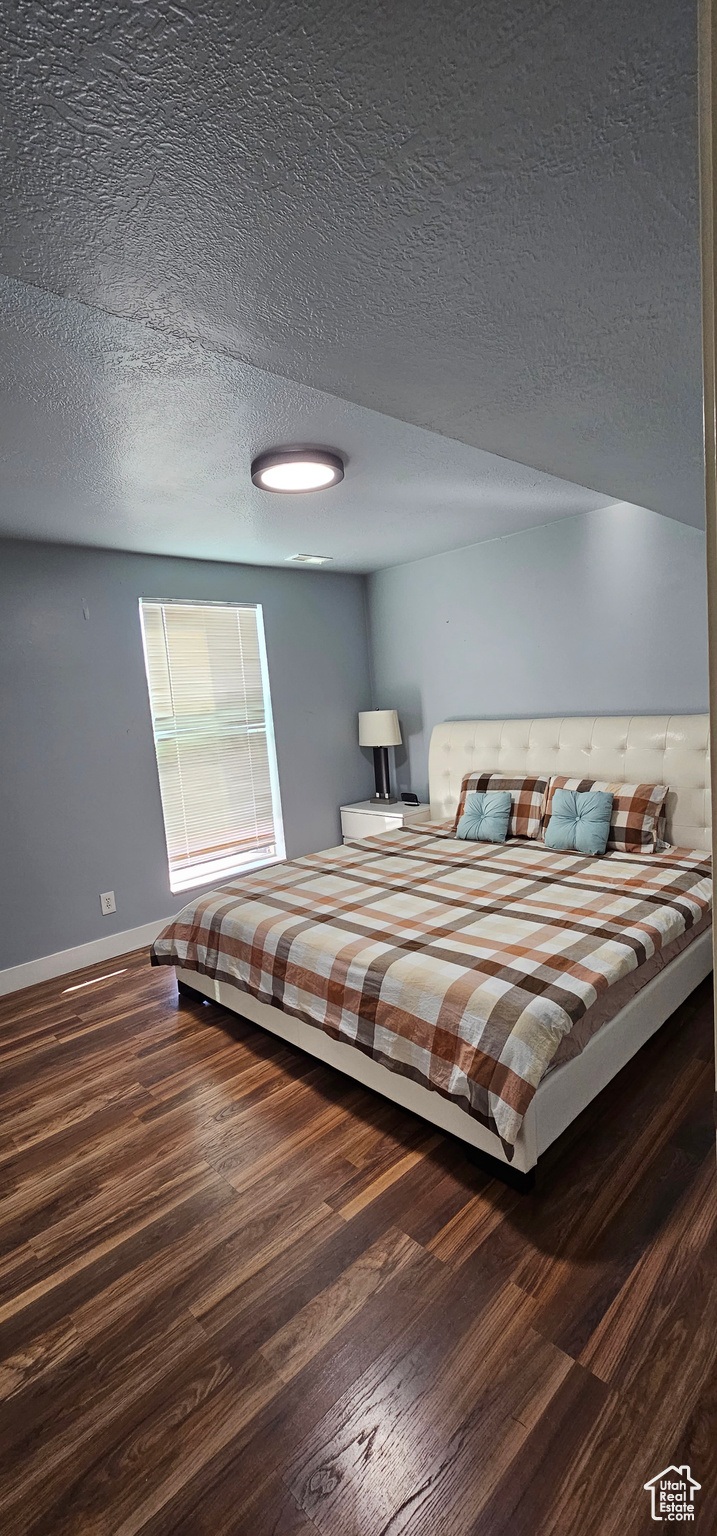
(27, 975)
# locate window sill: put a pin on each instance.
(224, 876)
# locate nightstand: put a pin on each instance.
(368, 818)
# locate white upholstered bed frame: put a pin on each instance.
(655, 749)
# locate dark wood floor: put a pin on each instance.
(241, 1294)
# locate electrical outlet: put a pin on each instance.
(107, 902)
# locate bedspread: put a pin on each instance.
(459, 965)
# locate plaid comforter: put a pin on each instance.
(459, 965)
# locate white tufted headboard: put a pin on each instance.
(642, 749)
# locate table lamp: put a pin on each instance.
(379, 728)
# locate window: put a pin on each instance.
(214, 738)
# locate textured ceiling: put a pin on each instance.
(116, 434)
(478, 218)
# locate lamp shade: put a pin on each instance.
(379, 728)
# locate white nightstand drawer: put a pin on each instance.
(367, 819)
(356, 824)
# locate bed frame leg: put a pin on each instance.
(513, 1177)
(196, 997)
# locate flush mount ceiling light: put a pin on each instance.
(297, 469)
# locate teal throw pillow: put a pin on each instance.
(485, 816)
(579, 822)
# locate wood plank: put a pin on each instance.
(632, 1325)
(376, 1185)
(437, 1384)
(241, 1294)
(473, 1222)
(231, 1480)
(571, 1307)
(309, 1330)
(89, 1478)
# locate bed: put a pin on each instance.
(494, 990)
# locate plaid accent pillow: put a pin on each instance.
(638, 812)
(527, 796)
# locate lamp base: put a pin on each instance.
(380, 768)
(384, 800)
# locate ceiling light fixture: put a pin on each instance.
(311, 559)
(297, 469)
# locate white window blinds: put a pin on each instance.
(213, 735)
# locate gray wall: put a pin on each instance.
(603, 613)
(81, 811)
(598, 614)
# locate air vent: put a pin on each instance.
(311, 559)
